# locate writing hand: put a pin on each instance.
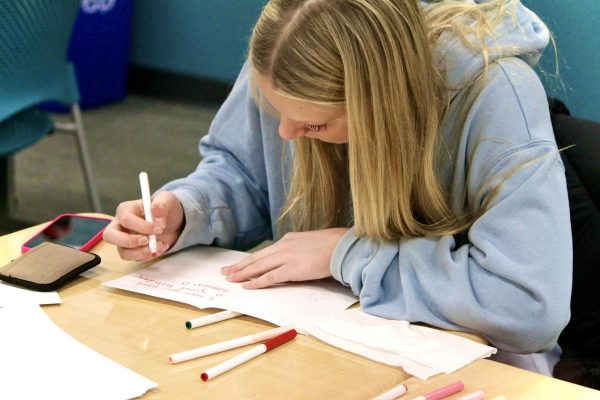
(297, 256)
(129, 230)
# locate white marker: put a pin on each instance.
(147, 202)
(478, 395)
(393, 393)
(210, 319)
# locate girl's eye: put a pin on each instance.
(315, 128)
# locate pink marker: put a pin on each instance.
(248, 355)
(443, 392)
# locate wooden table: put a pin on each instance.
(140, 332)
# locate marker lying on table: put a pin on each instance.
(442, 392)
(147, 203)
(478, 395)
(212, 318)
(227, 345)
(393, 393)
(248, 355)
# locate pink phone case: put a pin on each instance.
(85, 247)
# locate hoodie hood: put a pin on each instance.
(519, 34)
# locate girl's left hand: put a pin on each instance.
(297, 256)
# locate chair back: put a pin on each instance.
(34, 40)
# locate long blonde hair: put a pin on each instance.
(375, 58)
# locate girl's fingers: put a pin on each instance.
(256, 268)
(141, 253)
(251, 259)
(130, 216)
(273, 277)
(160, 209)
(112, 234)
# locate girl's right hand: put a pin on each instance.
(129, 230)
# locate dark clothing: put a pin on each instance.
(580, 340)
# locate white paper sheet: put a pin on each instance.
(12, 295)
(420, 351)
(193, 277)
(41, 361)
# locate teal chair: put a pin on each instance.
(34, 39)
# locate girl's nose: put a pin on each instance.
(290, 129)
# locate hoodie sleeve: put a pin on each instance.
(510, 280)
(225, 200)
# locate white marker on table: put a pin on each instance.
(147, 202)
(393, 393)
(478, 395)
(210, 319)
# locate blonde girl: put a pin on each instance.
(402, 147)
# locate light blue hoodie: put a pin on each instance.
(508, 277)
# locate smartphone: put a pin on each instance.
(77, 231)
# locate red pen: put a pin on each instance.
(442, 392)
(248, 355)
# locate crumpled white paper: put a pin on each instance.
(420, 351)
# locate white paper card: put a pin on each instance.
(41, 361)
(12, 295)
(193, 277)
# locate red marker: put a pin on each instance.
(228, 344)
(248, 355)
